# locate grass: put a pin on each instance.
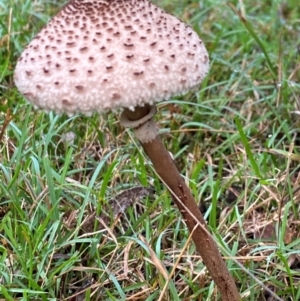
(235, 140)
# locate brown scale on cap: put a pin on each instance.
(98, 55)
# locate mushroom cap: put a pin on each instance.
(100, 55)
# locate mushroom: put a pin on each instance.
(101, 55)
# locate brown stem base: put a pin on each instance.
(204, 242)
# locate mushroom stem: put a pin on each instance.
(187, 205)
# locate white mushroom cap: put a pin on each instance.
(99, 55)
